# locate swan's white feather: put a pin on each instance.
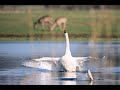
(57, 58)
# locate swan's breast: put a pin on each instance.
(68, 63)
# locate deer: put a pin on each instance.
(59, 22)
(44, 21)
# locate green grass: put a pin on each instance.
(81, 25)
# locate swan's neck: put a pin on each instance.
(67, 45)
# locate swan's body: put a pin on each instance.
(68, 62)
(68, 65)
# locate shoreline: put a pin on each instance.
(53, 36)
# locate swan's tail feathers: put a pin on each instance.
(90, 75)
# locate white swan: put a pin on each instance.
(68, 62)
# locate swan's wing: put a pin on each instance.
(81, 59)
(57, 58)
(47, 59)
(46, 63)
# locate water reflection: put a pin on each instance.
(40, 78)
(55, 78)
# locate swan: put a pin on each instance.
(68, 61)
(65, 63)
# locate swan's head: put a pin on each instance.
(64, 31)
(66, 34)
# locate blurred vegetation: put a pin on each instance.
(84, 22)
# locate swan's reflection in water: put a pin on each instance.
(68, 78)
(75, 78)
(55, 78)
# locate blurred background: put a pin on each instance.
(84, 21)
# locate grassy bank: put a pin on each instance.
(82, 25)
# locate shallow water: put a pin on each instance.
(106, 71)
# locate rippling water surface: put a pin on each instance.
(104, 63)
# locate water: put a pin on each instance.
(104, 63)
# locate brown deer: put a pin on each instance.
(59, 22)
(44, 21)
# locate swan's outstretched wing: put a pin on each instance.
(45, 63)
(81, 58)
(58, 58)
(47, 59)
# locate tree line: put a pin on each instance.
(68, 7)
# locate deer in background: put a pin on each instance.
(44, 21)
(59, 22)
